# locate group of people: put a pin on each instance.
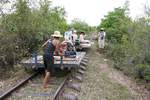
(52, 47)
(71, 35)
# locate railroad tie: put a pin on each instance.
(86, 57)
(78, 77)
(83, 63)
(82, 67)
(70, 96)
(74, 86)
(85, 60)
(80, 72)
(42, 94)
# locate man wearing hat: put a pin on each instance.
(49, 48)
(101, 38)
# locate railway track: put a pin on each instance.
(8, 92)
(31, 88)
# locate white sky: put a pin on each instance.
(92, 11)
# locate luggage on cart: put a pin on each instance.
(70, 52)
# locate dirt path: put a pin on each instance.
(102, 82)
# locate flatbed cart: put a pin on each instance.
(86, 44)
(36, 62)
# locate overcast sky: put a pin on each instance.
(92, 11)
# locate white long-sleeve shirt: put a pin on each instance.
(102, 34)
(75, 37)
(81, 38)
(68, 35)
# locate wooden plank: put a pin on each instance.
(66, 60)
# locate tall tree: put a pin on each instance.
(80, 25)
(23, 29)
(114, 22)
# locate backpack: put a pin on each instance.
(70, 47)
(70, 52)
(102, 35)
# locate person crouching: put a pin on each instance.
(50, 47)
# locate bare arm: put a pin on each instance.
(57, 49)
(45, 43)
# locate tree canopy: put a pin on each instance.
(81, 26)
(115, 23)
(25, 28)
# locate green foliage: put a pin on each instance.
(143, 72)
(128, 43)
(26, 28)
(114, 24)
(6, 57)
(80, 26)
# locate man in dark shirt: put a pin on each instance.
(49, 48)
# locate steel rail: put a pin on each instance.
(7, 93)
(59, 90)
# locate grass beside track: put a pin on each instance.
(102, 82)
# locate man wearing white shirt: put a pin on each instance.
(74, 36)
(101, 38)
(68, 35)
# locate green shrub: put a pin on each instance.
(128, 43)
(143, 72)
(24, 29)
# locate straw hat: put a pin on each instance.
(74, 31)
(56, 34)
(102, 29)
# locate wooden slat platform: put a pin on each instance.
(67, 62)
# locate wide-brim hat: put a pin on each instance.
(74, 31)
(56, 34)
(82, 32)
(102, 29)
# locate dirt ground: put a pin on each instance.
(103, 82)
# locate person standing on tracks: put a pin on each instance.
(50, 47)
(101, 39)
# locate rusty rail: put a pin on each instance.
(60, 88)
(7, 93)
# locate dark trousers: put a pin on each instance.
(49, 63)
